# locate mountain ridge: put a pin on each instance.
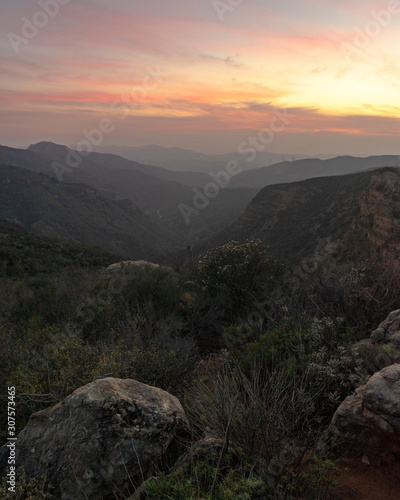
(299, 170)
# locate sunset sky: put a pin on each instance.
(183, 73)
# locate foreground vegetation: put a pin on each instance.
(259, 355)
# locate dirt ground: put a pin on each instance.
(358, 481)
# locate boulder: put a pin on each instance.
(369, 420)
(388, 328)
(103, 440)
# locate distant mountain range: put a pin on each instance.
(135, 210)
(185, 160)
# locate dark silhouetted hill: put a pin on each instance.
(79, 213)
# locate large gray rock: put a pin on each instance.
(102, 440)
(388, 328)
(369, 420)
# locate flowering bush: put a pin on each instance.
(239, 273)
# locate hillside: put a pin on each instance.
(129, 352)
(79, 213)
(355, 215)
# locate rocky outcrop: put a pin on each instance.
(382, 348)
(103, 440)
(369, 420)
(388, 330)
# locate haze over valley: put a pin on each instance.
(173, 208)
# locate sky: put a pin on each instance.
(298, 77)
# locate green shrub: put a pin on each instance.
(127, 293)
(26, 489)
(207, 480)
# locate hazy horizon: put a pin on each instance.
(105, 147)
